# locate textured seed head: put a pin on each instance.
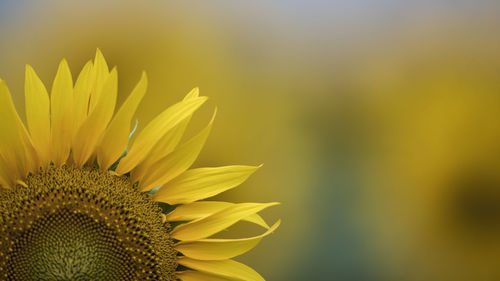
(82, 224)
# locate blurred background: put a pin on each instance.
(378, 121)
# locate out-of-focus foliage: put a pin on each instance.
(433, 184)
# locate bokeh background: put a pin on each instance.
(378, 121)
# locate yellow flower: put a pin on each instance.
(78, 202)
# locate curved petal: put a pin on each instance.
(221, 249)
(99, 75)
(116, 137)
(194, 93)
(155, 130)
(61, 113)
(92, 129)
(37, 104)
(165, 145)
(201, 183)
(205, 227)
(224, 268)
(170, 140)
(16, 150)
(177, 162)
(192, 275)
(201, 209)
(5, 178)
(83, 88)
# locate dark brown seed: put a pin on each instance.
(82, 224)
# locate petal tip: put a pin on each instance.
(144, 77)
(64, 63)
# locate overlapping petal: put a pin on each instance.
(192, 275)
(61, 114)
(165, 145)
(201, 183)
(83, 88)
(37, 104)
(100, 75)
(220, 249)
(116, 137)
(92, 129)
(224, 268)
(16, 148)
(202, 209)
(175, 163)
(5, 176)
(208, 226)
(155, 130)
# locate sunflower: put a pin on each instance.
(79, 202)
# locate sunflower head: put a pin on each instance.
(80, 201)
(78, 223)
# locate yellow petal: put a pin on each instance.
(83, 87)
(201, 183)
(194, 93)
(201, 209)
(155, 130)
(116, 137)
(61, 103)
(176, 162)
(191, 275)
(224, 268)
(92, 129)
(16, 148)
(205, 227)
(38, 115)
(6, 179)
(220, 249)
(100, 75)
(170, 140)
(164, 146)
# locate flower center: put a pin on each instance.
(82, 224)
